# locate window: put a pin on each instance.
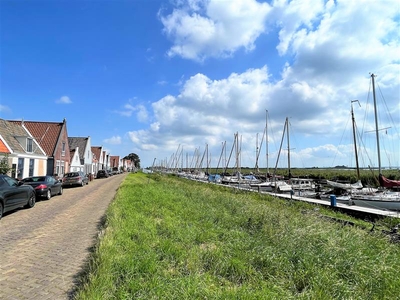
(29, 145)
(20, 170)
(58, 167)
(31, 166)
(13, 170)
(63, 149)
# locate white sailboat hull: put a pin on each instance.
(385, 201)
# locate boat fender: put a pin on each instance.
(333, 200)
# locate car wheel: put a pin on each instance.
(82, 183)
(31, 201)
(48, 194)
(61, 191)
(1, 210)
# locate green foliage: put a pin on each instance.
(4, 165)
(134, 158)
(170, 238)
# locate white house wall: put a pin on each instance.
(88, 158)
(39, 166)
(76, 162)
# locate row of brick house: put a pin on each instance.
(44, 148)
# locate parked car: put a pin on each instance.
(45, 186)
(75, 178)
(102, 174)
(14, 194)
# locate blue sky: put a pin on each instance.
(152, 77)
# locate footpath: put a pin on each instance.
(43, 250)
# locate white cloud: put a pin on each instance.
(213, 28)
(4, 109)
(64, 100)
(115, 140)
(142, 114)
(209, 111)
(129, 109)
(329, 46)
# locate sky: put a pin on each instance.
(174, 80)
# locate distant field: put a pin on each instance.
(367, 176)
(171, 238)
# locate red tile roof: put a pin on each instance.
(96, 150)
(45, 133)
(114, 161)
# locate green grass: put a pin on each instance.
(168, 238)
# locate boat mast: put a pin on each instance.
(208, 163)
(257, 151)
(288, 146)
(376, 123)
(266, 142)
(280, 148)
(354, 137)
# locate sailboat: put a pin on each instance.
(384, 198)
(301, 186)
(270, 183)
(343, 191)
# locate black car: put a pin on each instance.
(75, 178)
(102, 174)
(45, 186)
(14, 194)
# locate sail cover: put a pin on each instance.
(388, 183)
(345, 186)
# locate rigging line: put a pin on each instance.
(230, 155)
(273, 138)
(361, 142)
(387, 109)
(259, 149)
(366, 110)
(341, 140)
(388, 116)
(293, 136)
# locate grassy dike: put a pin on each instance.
(169, 238)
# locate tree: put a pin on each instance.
(4, 166)
(134, 158)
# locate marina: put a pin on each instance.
(346, 205)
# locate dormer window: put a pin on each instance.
(29, 145)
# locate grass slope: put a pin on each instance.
(168, 238)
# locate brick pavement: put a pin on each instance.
(43, 249)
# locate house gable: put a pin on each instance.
(75, 164)
(96, 150)
(52, 137)
(85, 151)
(18, 139)
(80, 144)
(26, 158)
(114, 161)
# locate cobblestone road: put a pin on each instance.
(43, 249)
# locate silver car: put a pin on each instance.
(77, 178)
